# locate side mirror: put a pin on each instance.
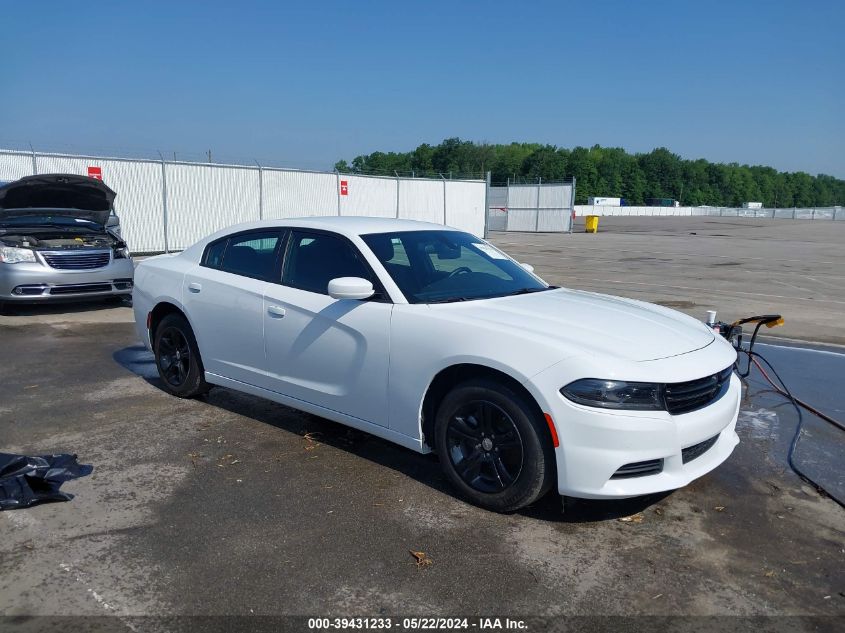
(350, 288)
(528, 267)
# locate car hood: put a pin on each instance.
(586, 322)
(65, 195)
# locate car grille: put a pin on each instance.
(77, 261)
(79, 289)
(683, 397)
(697, 450)
(639, 469)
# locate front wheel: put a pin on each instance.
(493, 446)
(178, 358)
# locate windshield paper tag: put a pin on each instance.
(489, 250)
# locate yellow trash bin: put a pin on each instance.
(591, 223)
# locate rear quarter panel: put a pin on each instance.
(157, 279)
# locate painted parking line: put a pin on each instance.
(582, 248)
(709, 290)
(804, 349)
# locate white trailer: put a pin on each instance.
(606, 202)
(752, 205)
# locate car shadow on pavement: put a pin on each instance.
(424, 469)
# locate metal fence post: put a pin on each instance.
(397, 193)
(487, 206)
(572, 207)
(537, 217)
(260, 191)
(337, 189)
(34, 162)
(164, 204)
(444, 199)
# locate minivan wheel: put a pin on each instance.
(492, 446)
(178, 358)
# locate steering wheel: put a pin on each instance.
(458, 271)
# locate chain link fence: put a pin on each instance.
(167, 205)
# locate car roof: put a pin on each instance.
(347, 225)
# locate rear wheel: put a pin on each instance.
(178, 358)
(493, 447)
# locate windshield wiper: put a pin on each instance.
(452, 299)
(527, 291)
(521, 291)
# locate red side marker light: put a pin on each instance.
(552, 430)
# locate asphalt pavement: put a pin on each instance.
(231, 505)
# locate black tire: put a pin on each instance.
(503, 472)
(178, 358)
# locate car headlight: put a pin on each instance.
(121, 253)
(12, 255)
(615, 394)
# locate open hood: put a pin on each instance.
(65, 195)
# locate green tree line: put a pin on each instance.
(609, 171)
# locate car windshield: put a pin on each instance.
(445, 266)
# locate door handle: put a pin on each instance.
(194, 287)
(276, 311)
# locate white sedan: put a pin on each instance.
(436, 340)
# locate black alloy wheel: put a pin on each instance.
(485, 447)
(494, 444)
(174, 359)
(178, 358)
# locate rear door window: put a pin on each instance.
(250, 254)
(214, 254)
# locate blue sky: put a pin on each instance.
(305, 84)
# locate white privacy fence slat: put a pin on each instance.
(368, 196)
(168, 205)
(290, 194)
(15, 166)
(202, 200)
(463, 207)
(422, 200)
(797, 213)
(531, 208)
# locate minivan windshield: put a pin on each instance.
(446, 266)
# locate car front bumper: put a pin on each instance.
(37, 282)
(596, 443)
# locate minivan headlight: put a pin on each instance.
(121, 252)
(12, 255)
(615, 394)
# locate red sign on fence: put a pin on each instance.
(344, 187)
(95, 172)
